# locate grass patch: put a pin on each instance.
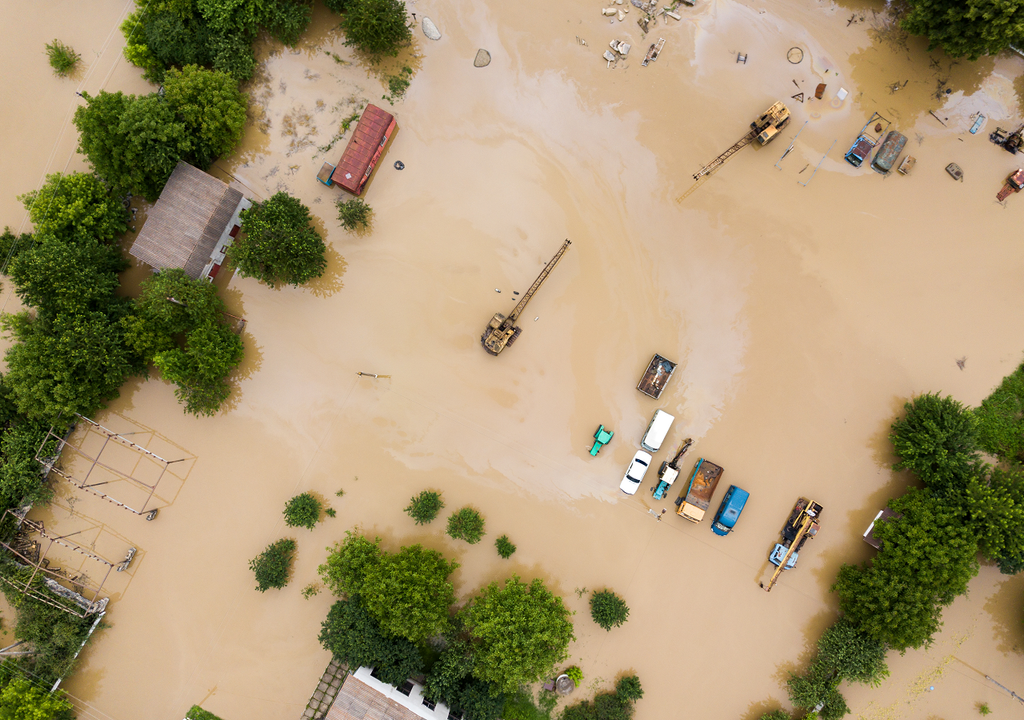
(62, 58)
(398, 84)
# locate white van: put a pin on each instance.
(656, 431)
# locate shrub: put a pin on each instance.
(423, 508)
(984, 709)
(331, 512)
(302, 511)
(466, 524)
(197, 713)
(311, 590)
(273, 565)
(354, 214)
(575, 674)
(62, 58)
(938, 442)
(628, 688)
(398, 84)
(607, 609)
(776, 715)
(505, 547)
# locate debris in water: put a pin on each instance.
(620, 47)
(741, 58)
(795, 56)
(961, 362)
(609, 12)
(820, 90)
(497, 290)
(482, 59)
(581, 41)
(430, 29)
(399, 165)
(798, 96)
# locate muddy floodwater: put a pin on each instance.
(803, 299)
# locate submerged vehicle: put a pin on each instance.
(699, 490)
(669, 470)
(1014, 184)
(635, 473)
(867, 138)
(729, 511)
(655, 434)
(601, 438)
(799, 528)
(656, 376)
(502, 331)
(888, 152)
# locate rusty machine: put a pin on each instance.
(502, 331)
(763, 130)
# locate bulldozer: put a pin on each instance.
(502, 330)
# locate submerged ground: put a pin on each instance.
(802, 317)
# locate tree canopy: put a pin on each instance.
(938, 442)
(348, 562)
(354, 636)
(846, 653)
(927, 558)
(969, 28)
(376, 27)
(73, 206)
(210, 106)
(409, 592)
(279, 243)
(21, 700)
(995, 506)
(519, 632)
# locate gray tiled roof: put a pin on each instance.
(186, 222)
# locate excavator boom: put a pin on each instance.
(521, 305)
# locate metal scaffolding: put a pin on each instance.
(29, 545)
(51, 454)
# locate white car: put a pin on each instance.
(635, 474)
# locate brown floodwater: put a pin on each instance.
(802, 316)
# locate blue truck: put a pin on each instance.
(729, 511)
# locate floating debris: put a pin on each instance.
(795, 55)
(961, 362)
(482, 59)
(955, 172)
(653, 52)
(430, 29)
(581, 41)
(741, 58)
(620, 47)
(399, 165)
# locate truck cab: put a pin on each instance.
(729, 511)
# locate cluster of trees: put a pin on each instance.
(279, 244)
(616, 705)
(970, 28)
(215, 34)
(134, 142)
(396, 615)
(929, 549)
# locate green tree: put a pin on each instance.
(201, 369)
(279, 244)
(449, 673)
(409, 592)
(302, 511)
(21, 700)
(466, 524)
(969, 28)
(938, 442)
(927, 558)
(519, 633)
(846, 653)
(776, 715)
(996, 509)
(1001, 419)
(58, 278)
(628, 688)
(480, 700)
(352, 635)
(54, 635)
(376, 27)
(818, 687)
(12, 245)
(348, 563)
(211, 108)
(72, 363)
(607, 609)
(354, 214)
(73, 206)
(21, 479)
(273, 566)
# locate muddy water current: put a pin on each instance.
(803, 299)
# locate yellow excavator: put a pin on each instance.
(502, 331)
(800, 527)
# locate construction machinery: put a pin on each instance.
(1014, 184)
(801, 526)
(1011, 142)
(669, 470)
(762, 131)
(502, 331)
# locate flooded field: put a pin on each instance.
(802, 316)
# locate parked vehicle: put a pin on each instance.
(656, 431)
(867, 139)
(889, 151)
(799, 528)
(699, 490)
(656, 377)
(669, 470)
(601, 438)
(635, 473)
(729, 511)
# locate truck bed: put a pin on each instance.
(656, 377)
(700, 489)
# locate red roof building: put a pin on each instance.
(372, 133)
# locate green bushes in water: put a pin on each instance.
(505, 547)
(197, 713)
(607, 609)
(302, 511)
(273, 566)
(354, 214)
(466, 524)
(63, 58)
(423, 508)
(618, 705)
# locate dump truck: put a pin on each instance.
(502, 331)
(700, 488)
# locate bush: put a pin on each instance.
(938, 442)
(466, 524)
(376, 27)
(1001, 419)
(62, 58)
(302, 511)
(273, 565)
(354, 214)
(423, 508)
(776, 715)
(607, 609)
(628, 688)
(398, 84)
(505, 547)
(575, 674)
(197, 713)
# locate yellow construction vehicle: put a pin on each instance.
(502, 331)
(799, 528)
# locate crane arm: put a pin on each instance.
(521, 305)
